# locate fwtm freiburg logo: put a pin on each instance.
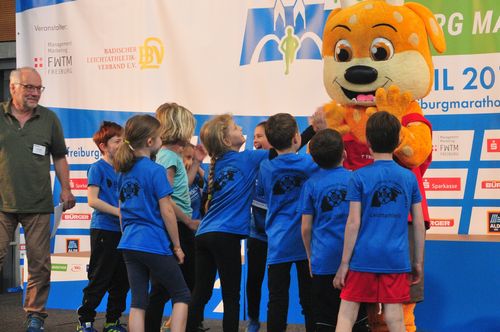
(286, 31)
(493, 222)
(151, 53)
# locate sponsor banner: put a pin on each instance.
(488, 183)
(82, 151)
(78, 217)
(71, 243)
(444, 220)
(491, 145)
(452, 144)
(78, 183)
(445, 183)
(485, 221)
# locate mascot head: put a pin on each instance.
(375, 44)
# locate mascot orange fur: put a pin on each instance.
(376, 57)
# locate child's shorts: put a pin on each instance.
(370, 287)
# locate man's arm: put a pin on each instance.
(351, 235)
(62, 173)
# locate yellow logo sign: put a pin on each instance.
(151, 53)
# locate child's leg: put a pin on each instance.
(179, 317)
(205, 277)
(256, 259)
(347, 316)
(117, 292)
(101, 268)
(326, 302)
(136, 320)
(278, 283)
(393, 314)
(305, 294)
(158, 296)
(226, 249)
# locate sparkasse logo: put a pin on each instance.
(493, 145)
(78, 184)
(442, 184)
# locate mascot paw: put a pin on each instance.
(335, 117)
(370, 111)
(393, 101)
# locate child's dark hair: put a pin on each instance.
(261, 124)
(382, 132)
(280, 130)
(138, 130)
(327, 148)
(106, 131)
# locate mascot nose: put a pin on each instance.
(361, 74)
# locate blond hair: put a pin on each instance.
(212, 135)
(138, 130)
(177, 123)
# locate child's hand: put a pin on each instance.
(200, 153)
(339, 280)
(179, 254)
(317, 120)
(417, 273)
(193, 224)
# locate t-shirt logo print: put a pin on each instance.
(129, 190)
(287, 183)
(227, 174)
(385, 194)
(109, 183)
(333, 199)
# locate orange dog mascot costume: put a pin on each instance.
(376, 57)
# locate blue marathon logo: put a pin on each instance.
(286, 31)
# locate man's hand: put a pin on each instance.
(67, 199)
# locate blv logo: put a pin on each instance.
(284, 30)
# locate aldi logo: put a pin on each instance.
(72, 245)
(442, 184)
(494, 222)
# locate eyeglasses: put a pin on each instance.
(32, 88)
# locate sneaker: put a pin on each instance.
(86, 327)
(202, 328)
(34, 324)
(253, 326)
(114, 327)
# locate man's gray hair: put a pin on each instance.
(15, 75)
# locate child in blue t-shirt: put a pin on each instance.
(196, 182)
(282, 179)
(375, 263)
(177, 127)
(150, 236)
(324, 213)
(231, 178)
(107, 271)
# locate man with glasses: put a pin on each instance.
(29, 135)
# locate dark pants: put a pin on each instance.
(217, 252)
(141, 266)
(256, 256)
(159, 295)
(107, 273)
(278, 277)
(326, 302)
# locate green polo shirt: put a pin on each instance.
(25, 185)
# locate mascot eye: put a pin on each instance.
(381, 49)
(343, 51)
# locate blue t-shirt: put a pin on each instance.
(195, 196)
(180, 196)
(386, 192)
(282, 179)
(232, 192)
(140, 190)
(103, 175)
(323, 197)
(259, 211)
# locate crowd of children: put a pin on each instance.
(165, 226)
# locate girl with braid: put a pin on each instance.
(229, 190)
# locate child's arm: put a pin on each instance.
(170, 222)
(99, 204)
(307, 220)
(192, 224)
(351, 234)
(199, 154)
(419, 238)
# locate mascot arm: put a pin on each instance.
(335, 117)
(415, 144)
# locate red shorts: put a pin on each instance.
(376, 287)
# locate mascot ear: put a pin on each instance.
(432, 27)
